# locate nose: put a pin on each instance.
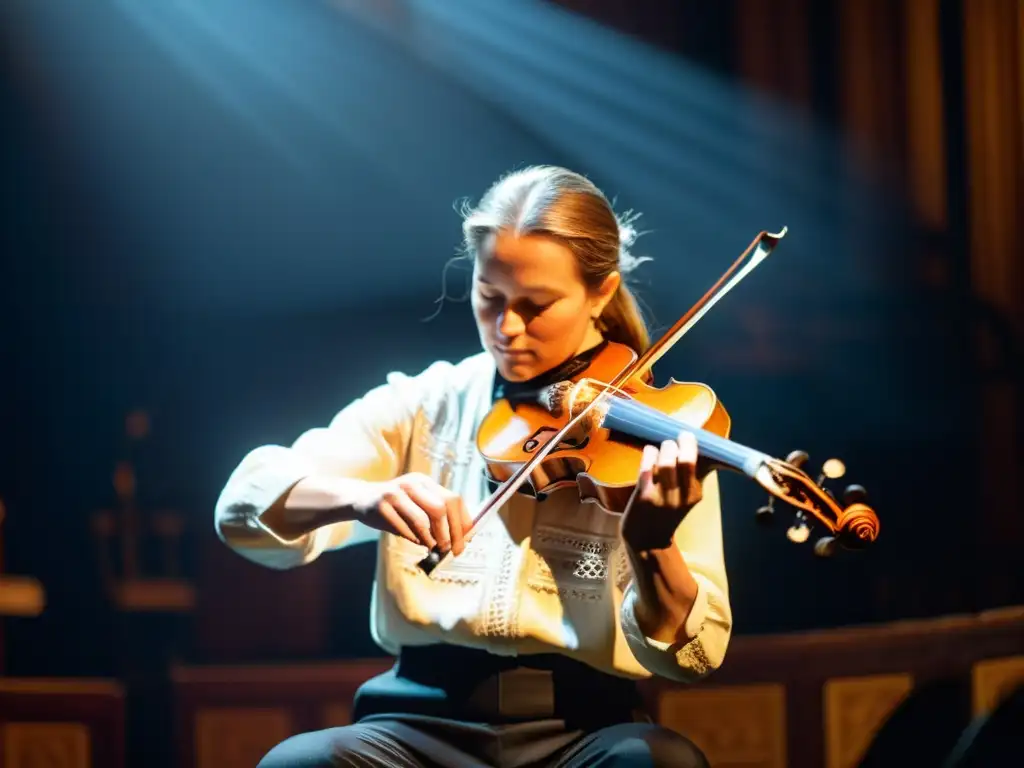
(510, 324)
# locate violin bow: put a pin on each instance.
(504, 492)
(758, 250)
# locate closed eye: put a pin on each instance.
(523, 306)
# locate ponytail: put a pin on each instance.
(622, 322)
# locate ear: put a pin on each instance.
(604, 293)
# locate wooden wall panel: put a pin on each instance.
(924, 116)
(855, 708)
(994, 122)
(238, 737)
(61, 723)
(733, 725)
(993, 680)
(773, 45)
(46, 745)
(227, 715)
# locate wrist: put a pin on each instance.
(343, 499)
(649, 533)
(666, 592)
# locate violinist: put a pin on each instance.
(525, 645)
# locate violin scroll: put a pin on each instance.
(852, 524)
(857, 526)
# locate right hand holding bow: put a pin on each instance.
(417, 508)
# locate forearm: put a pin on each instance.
(312, 503)
(279, 510)
(675, 613)
(666, 592)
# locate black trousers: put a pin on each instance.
(449, 707)
(423, 742)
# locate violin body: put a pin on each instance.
(602, 462)
(590, 433)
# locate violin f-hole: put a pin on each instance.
(567, 443)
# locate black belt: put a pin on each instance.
(472, 685)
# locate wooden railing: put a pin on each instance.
(797, 700)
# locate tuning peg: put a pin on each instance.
(825, 546)
(799, 532)
(832, 469)
(765, 515)
(854, 494)
(798, 458)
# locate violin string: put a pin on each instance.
(655, 425)
(716, 446)
(658, 424)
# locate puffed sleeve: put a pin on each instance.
(368, 439)
(709, 625)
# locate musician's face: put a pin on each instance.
(532, 308)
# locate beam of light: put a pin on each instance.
(721, 157)
(188, 45)
(707, 157)
(260, 147)
(657, 97)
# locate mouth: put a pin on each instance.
(512, 354)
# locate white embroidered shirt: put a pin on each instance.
(539, 577)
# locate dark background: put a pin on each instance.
(235, 217)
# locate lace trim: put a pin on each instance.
(587, 568)
(623, 569)
(569, 593)
(500, 619)
(546, 539)
(692, 656)
(447, 577)
(570, 566)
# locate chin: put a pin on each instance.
(516, 372)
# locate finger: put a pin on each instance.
(439, 528)
(433, 499)
(648, 461)
(426, 494)
(665, 471)
(686, 458)
(687, 445)
(396, 525)
(689, 484)
(454, 514)
(414, 516)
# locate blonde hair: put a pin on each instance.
(563, 205)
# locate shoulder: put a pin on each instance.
(448, 376)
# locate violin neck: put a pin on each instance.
(643, 423)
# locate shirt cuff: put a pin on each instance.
(691, 628)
